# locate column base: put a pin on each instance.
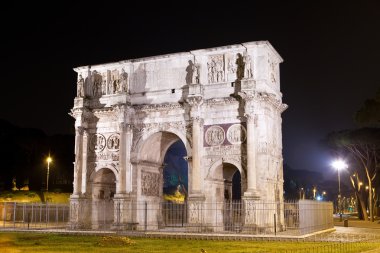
(196, 211)
(80, 212)
(125, 212)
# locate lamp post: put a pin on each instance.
(339, 165)
(47, 175)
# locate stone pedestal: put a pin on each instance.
(251, 210)
(124, 213)
(196, 212)
(80, 212)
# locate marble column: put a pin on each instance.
(128, 165)
(196, 158)
(120, 186)
(78, 160)
(124, 183)
(84, 162)
(251, 158)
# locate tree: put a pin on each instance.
(364, 147)
(369, 114)
(361, 204)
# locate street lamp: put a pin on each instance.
(339, 165)
(49, 160)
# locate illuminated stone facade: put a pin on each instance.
(223, 103)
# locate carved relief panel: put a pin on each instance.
(215, 67)
(150, 183)
(273, 72)
(96, 84)
(236, 134)
(104, 148)
(214, 136)
(232, 67)
(113, 142)
(97, 142)
(224, 134)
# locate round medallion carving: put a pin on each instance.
(236, 134)
(98, 142)
(214, 135)
(113, 142)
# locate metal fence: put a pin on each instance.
(228, 217)
(296, 218)
(33, 215)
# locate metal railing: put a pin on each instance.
(296, 218)
(33, 215)
(228, 217)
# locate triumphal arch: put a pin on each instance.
(224, 104)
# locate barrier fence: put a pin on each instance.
(295, 218)
(228, 217)
(33, 215)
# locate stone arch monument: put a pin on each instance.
(223, 103)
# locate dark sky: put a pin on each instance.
(330, 49)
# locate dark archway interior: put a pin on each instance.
(175, 170)
(104, 185)
(232, 182)
(236, 186)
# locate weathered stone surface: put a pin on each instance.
(223, 103)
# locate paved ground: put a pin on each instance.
(352, 230)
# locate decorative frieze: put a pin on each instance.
(107, 156)
(225, 150)
(158, 107)
(221, 101)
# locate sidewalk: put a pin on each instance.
(355, 222)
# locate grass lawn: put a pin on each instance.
(34, 197)
(14, 242)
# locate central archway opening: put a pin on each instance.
(162, 160)
(175, 173)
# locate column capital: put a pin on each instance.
(79, 130)
(197, 120)
(251, 118)
(85, 132)
(194, 101)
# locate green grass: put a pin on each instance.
(50, 243)
(34, 197)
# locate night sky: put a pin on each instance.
(330, 50)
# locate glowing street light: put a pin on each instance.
(339, 165)
(48, 160)
(314, 192)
